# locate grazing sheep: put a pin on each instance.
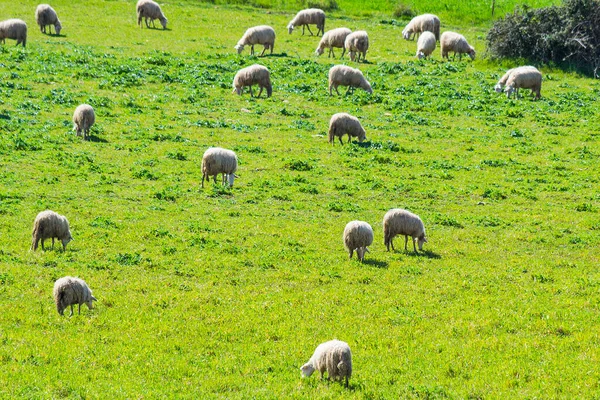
(357, 42)
(253, 75)
(150, 9)
(343, 123)
(334, 357)
(69, 291)
(401, 222)
(420, 24)
(13, 29)
(333, 38)
(309, 16)
(500, 85)
(341, 75)
(357, 236)
(217, 161)
(45, 15)
(425, 45)
(83, 119)
(49, 224)
(456, 43)
(262, 34)
(526, 78)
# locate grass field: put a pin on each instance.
(225, 293)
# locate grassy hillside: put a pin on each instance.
(225, 293)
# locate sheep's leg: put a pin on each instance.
(70, 315)
(251, 94)
(260, 91)
(263, 52)
(351, 252)
(336, 90)
(331, 53)
(340, 138)
(405, 242)
(346, 381)
(349, 138)
(348, 91)
(152, 21)
(43, 244)
(414, 245)
(79, 308)
(146, 21)
(302, 30)
(308, 27)
(272, 45)
(203, 175)
(252, 50)
(392, 244)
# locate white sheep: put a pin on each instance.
(357, 42)
(49, 224)
(69, 291)
(333, 38)
(13, 29)
(149, 9)
(526, 78)
(217, 160)
(334, 357)
(456, 43)
(309, 16)
(425, 45)
(83, 119)
(344, 123)
(45, 15)
(253, 75)
(420, 24)
(401, 222)
(357, 236)
(342, 75)
(262, 34)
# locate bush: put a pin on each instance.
(325, 5)
(403, 10)
(567, 35)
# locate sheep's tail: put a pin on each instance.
(437, 31)
(331, 135)
(59, 300)
(35, 235)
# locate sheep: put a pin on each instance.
(69, 291)
(342, 75)
(253, 75)
(333, 38)
(425, 45)
(357, 42)
(334, 357)
(401, 222)
(83, 119)
(343, 123)
(49, 224)
(13, 29)
(452, 41)
(309, 16)
(357, 236)
(45, 15)
(217, 161)
(150, 9)
(420, 24)
(262, 34)
(526, 78)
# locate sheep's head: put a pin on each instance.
(239, 48)
(231, 178)
(362, 136)
(238, 90)
(290, 28)
(406, 32)
(420, 55)
(472, 53)
(307, 370)
(367, 87)
(319, 51)
(163, 22)
(422, 239)
(57, 27)
(89, 302)
(498, 88)
(361, 251)
(67, 239)
(509, 89)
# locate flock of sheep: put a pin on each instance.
(333, 357)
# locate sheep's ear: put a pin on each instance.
(235, 176)
(94, 299)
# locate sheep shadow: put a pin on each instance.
(375, 263)
(425, 253)
(95, 139)
(55, 35)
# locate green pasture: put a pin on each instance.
(224, 293)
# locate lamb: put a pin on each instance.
(333, 38)
(217, 161)
(149, 9)
(83, 119)
(13, 29)
(343, 123)
(499, 88)
(253, 75)
(69, 291)
(309, 16)
(357, 42)
(262, 34)
(425, 45)
(526, 78)
(452, 41)
(357, 236)
(420, 24)
(342, 75)
(49, 224)
(401, 222)
(45, 15)
(334, 357)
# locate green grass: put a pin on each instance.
(225, 293)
